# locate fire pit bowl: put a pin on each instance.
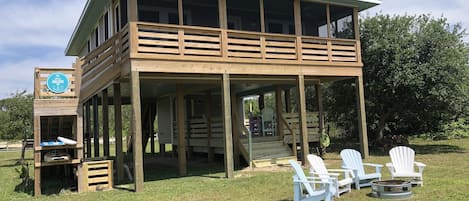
(391, 189)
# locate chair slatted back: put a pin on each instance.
(402, 158)
(352, 159)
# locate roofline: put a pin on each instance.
(80, 21)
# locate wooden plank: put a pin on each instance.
(262, 15)
(105, 110)
(306, 45)
(302, 111)
(343, 47)
(158, 42)
(280, 56)
(279, 108)
(315, 58)
(255, 41)
(244, 55)
(203, 38)
(137, 131)
(167, 36)
(97, 180)
(280, 50)
(158, 50)
(362, 132)
(98, 172)
(118, 131)
(244, 48)
(202, 52)
(290, 44)
(180, 109)
(235, 130)
(202, 45)
(180, 12)
(229, 166)
(314, 51)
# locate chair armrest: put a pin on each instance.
(377, 166)
(328, 174)
(347, 172)
(373, 165)
(421, 166)
(390, 167)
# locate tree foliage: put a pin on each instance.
(416, 75)
(16, 116)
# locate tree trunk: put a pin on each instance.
(382, 124)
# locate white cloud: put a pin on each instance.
(44, 22)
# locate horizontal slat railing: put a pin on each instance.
(176, 41)
(164, 41)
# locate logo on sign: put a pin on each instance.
(57, 83)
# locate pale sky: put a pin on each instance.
(34, 33)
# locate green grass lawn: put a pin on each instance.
(446, 177)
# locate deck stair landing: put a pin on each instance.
(267, 151)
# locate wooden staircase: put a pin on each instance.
(266, 151)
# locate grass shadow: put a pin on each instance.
(26, 186)
(437, 149)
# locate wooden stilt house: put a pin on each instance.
(190, 63)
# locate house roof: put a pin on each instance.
(94, 8)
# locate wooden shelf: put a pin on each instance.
(45, 164)
(41, 148)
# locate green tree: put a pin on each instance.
(16, 115)
(415, 72)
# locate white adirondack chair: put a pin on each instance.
(402, 166)
(352, 160)
(319, 169)
(301, 182)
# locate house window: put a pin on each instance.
(123, 13)
(201, 13)
(117, 18)
(106, 26)
(279, 16)
(243, 15)
(165, 12)
(96, 37)
(314, 19)
(342, 24)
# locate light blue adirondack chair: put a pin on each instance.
(322, 191)
(352, 160)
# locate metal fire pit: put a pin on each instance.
(391, 189)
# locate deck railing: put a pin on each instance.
(175, 42)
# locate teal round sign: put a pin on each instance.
(57, 83)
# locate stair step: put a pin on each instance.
(261, 139)
(262, 145)
(273, 161)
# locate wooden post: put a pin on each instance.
(132, 10)
(262, 15)
(180, 12)
(279, 107)
(287, 100)
(78, 124)
(37, 155)
(118, 131)
(320, 107)
(151, 130)
(88, 128)
(222, 14)
(229, 167)
(137, 131)
(105, 105)
(235, 127)
(208, 115)
(298, 29)
(95, 126)
(362, 133)
(357, 35)
(302, 115)
(180, 110)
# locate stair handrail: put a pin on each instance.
(292, 132)
(247, 132)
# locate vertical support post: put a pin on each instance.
(152, 114)
(132, 10)
(329, 33)
(235, 129)
(95, 126)
(137, 130)
(118, 131)
(298, 29)
(302, 115)
(180, 13)
(287, 101)
(362, 133)
(208, 115)
(132, 16)
(229, 167)
(105, 105)
(262, 15)
(279, 107)
(37, 156)
(357, 35)
(222, 14)
(88, 129)
(320, 108)
(180, 110)
(79, 137)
